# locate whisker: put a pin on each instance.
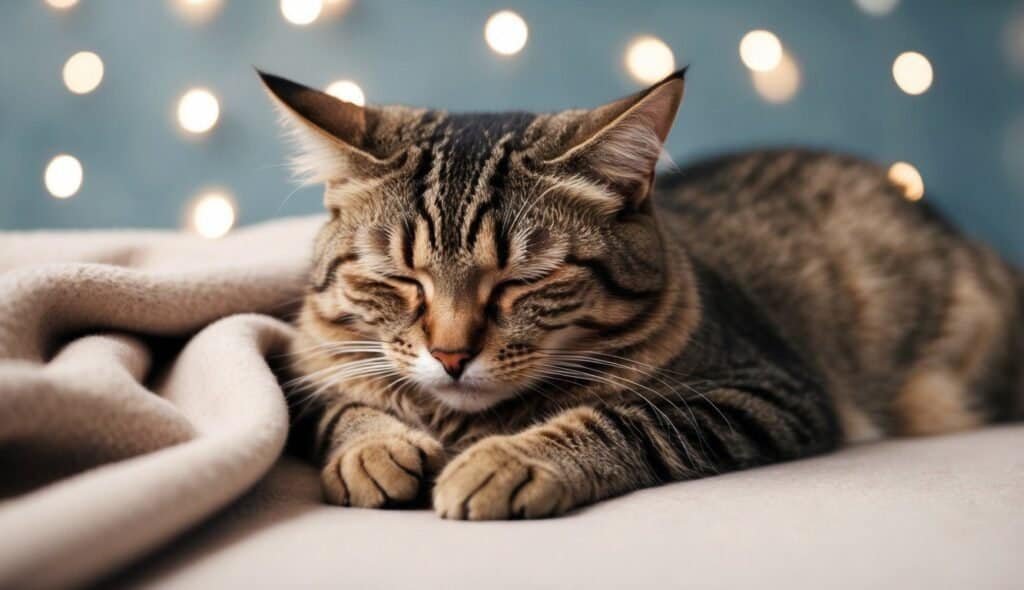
(609, 379)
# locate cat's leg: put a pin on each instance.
(372, 459)
(594, 452)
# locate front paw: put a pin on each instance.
(381, 471)
(493, 480)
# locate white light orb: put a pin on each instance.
(877, 7)
(649, 59)
(61, 4)
(198, 111)
(780, 84)
(506, 32)
(336, 8)
(761, 51)
(907, 178)
(1013, 41)
(212, 214)
(63, 176)
(83, 72)
(197, 11)
(348, 91)
(912, 72)
(301, 12)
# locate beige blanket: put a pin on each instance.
(135, 393)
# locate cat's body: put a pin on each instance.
(915, 329)
(498, 302)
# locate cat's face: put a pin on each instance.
(474, 256)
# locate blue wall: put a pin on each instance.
(140, 170)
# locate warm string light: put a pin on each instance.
(198, 111)
(506, 32)
(63, 176)
(1013, 41)
(348, 91)
(780, 84)
(212, 214)
(83, 72)
(197, 11)
(301, 12)
(773, 71)
(649, 59)
(62, 4)
(336, 8)
(761, 51)
(912, 72)
(907, 178)
(877, 7)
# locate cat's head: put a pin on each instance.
(479, 254)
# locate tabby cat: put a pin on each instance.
(507, 309)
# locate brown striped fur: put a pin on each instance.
(505, 310)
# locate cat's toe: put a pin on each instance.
(493, 481)
(381, 471)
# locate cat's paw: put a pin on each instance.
(493, 480)
(381, 471)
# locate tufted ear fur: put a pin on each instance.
(618, 144)
(331, 134)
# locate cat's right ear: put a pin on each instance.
(331, 134)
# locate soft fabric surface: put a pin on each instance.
(136, 401)
(936, 513)
(127, 388)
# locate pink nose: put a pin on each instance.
(454, 362)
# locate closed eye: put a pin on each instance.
(407, 281)
(499, 289)
(421, 294)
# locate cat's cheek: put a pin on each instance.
(563, 338)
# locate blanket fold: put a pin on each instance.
(110, 447)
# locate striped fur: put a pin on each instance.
(760, 307)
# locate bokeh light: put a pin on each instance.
(83, 72)
(197, 11)
(907, 178)
(761, 51)
(912, 72)
(506, 32)
(1013, 40)
(301, 12)
(62, 4)
(348, 91)
(63, 176)
(336, 8)
(198, 111)
(877, 7)
(212, 214)
(780, 84)
(649, 59)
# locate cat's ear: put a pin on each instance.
(330, 134)
(619, 143)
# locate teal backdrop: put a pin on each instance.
(965, 135)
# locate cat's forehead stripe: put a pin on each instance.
(456, 180)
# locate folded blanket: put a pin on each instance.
(136, 397)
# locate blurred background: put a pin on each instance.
(148, 113)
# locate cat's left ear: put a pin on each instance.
(619, 143)
(331, 134)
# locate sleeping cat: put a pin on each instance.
(509, 309)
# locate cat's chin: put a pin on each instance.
(469, 399)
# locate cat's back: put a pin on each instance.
(870, 285)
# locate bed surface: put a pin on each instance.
(943, 512)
